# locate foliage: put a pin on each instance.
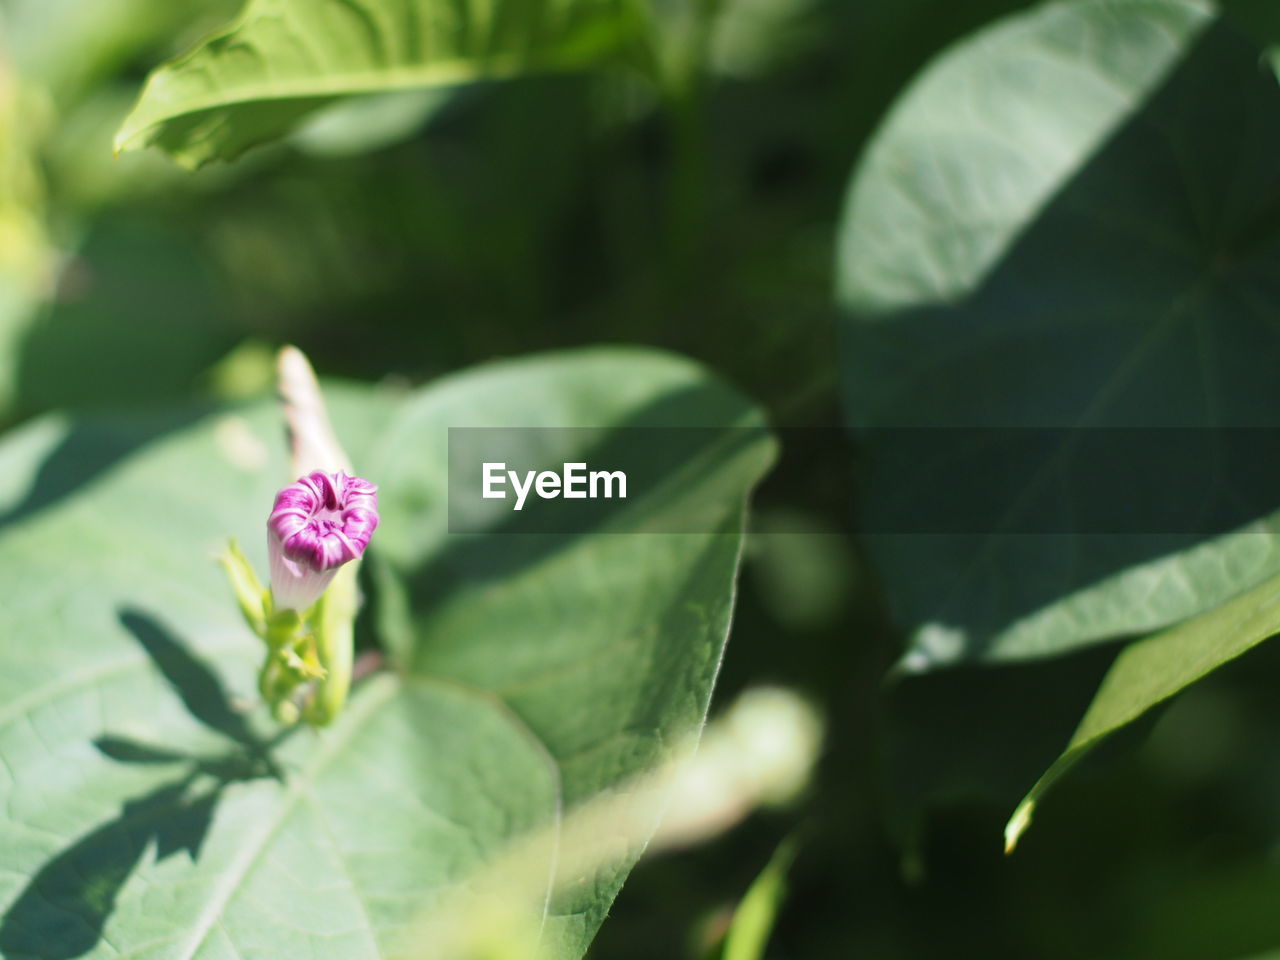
(1086, 292)
(1022, 254)
(283, 60)
(489, 726)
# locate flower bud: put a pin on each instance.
(317, 524)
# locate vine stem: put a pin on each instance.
(682, 69)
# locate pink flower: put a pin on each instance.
(317, 524)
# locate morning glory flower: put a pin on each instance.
(317, 524)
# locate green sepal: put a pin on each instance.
(284, 671)
(333, 620)
(253, 599)
(282, 628)
(312, 648)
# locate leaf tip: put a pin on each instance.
(130, 130)
(121, 143)
(1018, 825)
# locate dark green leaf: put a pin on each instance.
(1154, 669)
(1068, 223)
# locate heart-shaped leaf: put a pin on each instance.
(1065, 226)
(147, 812)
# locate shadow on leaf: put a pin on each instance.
(1086, 384)
(89, 448)
(63, 909)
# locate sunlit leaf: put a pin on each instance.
(753, 920)
(150, 810)
(283, 59)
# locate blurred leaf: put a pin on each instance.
(761, 749)
(1152, 670)
(282, 59)
(547, 669)
(246, 372)
(101, 342)
(24, 121)
(751, 37)
(16, 309)
(1068, 221)
(803, 570)
(352, 127)
(748, 935)
(26, 256)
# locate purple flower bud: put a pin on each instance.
(317, 525)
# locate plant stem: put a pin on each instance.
(685, 83)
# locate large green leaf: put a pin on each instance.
(282, 59)
(1067, 224)
(147, 813)
(1154, 669)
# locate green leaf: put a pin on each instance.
(975, 736)
(26, 254)
(1059, 228)
(283, 59)
(105, 325)
(1154, 669)
(753, 920)
(148, 809)
(365, 124)
(628, 666)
